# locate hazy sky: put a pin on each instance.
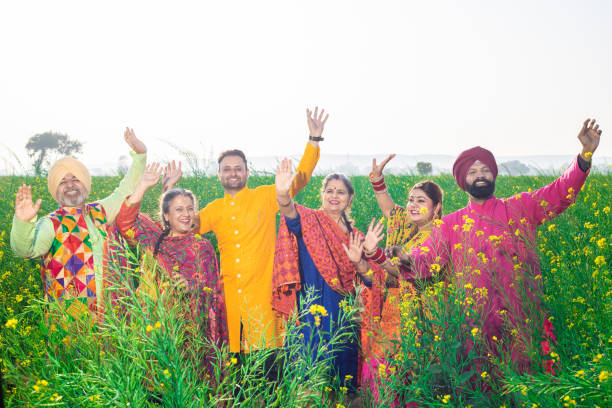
(396, 76)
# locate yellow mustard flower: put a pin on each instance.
(11, 323)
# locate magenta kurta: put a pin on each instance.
(493, 246)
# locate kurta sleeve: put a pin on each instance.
(305, 168)
(126, 220)
(113, 202)
(31, 239)
(549, 201)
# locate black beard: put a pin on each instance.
(228, 186)
(484, 191)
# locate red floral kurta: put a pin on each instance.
(191, 259)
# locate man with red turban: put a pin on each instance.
(71, 239)
(490, 247)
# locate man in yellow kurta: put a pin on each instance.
(244, 221)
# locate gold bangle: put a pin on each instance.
(284, 205)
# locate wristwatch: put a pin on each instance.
(315, 138)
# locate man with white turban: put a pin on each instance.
(70, 240)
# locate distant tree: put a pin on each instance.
(514, 168)
(424, 168)
(40, 145)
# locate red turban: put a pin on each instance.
(469, 157)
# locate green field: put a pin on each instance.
(133, 360)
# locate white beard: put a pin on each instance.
(73, 201)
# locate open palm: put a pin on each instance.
(25, 209)
(355, 249)
(374, 235)
(316, 121)
(284, 177)
(151, 175)
(172, 175)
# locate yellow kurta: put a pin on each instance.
(245, 226)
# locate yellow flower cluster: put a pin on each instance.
(39, 385)
(150, 328)
(318, 309)
(11, 323)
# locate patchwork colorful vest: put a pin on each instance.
(68, 269)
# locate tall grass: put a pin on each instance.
(132, 360)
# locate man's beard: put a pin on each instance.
(234, 185)
(72, 200)
(483, 191)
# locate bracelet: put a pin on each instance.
(378, 184)
(377, 256)
(284, 205)
(315, 138)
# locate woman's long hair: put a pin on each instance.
(164, 208)
(346, 214)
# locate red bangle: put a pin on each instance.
(378, 185)
(378, 256)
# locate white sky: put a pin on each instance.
(396, 76)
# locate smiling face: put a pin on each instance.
(71, 192)
(233, 173)
(180, 215)
(420, 207)
(480, 182)
(335, 197)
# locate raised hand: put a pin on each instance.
(132, 141)
(172, 175)
(316, 121)
(589, 137)
(151, 175)
(356, 248)
(149, 178)
(378, 169)
(374, 235)
(284, 177)
(25, 209)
